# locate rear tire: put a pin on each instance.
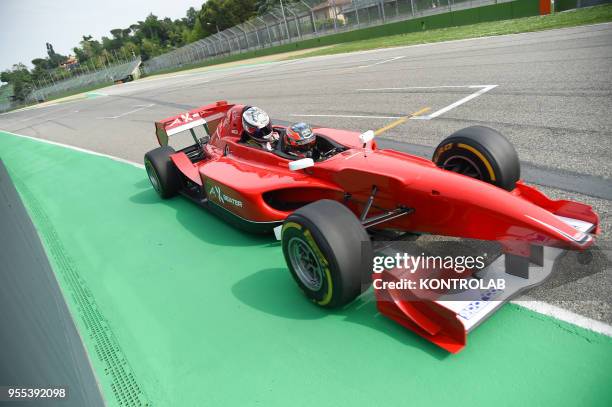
(480, 152)
(162, 172)
(328, 252)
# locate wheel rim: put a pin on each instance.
(152, 175)
(462, 165)
(305, 264)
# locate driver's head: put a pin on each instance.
(299, 139)
(256, 124)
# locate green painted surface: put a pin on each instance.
(197, 313)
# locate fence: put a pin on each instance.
(6, 97)
(51, 86)
(302, 20)
(298, 25)
(108, 74)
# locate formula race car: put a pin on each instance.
(330, 207)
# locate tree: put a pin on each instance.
(149, 48)
(20, 78)
(261, 6)
(197, 32)
(147, 38)
(190, 18)
(55, 59)
(225, 14)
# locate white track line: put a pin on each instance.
(536, 306)
(483, 89)
(82, 150)
(345, 115)
(146, 85)
(417, 87)
(566, 316)
(139, 108)
(382, 62)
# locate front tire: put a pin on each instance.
(162, 172)
(328, 252)
(482, 153)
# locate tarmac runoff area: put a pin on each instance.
(552, 99)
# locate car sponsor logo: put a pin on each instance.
(216, 194)
(184, 118)
(474, 307)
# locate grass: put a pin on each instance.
(585, 16)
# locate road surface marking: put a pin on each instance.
(382, 62)
(138, 108)
(418, 87)
(75, 148)
(482, 89)
(401, 120)
(345, 116)
(566, 316)
(145, 85)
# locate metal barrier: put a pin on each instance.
(298, 21)
(6, 98)
(108, 74)
(302, 20)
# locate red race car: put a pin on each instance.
(330, 206)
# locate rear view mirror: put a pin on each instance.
(301, 164)
(366, 137)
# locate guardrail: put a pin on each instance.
(306, 22)
(49, 86)
(108, 74)
(299, 25)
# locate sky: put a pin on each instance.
(28, 24)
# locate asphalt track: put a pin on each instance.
(552, 99)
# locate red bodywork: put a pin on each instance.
(257, 188)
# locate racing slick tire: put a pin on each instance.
(328, 252)
(480, 152)
(161, 171)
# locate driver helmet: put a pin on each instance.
(299, 139)
(256, 124)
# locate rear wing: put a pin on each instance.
(207, 116)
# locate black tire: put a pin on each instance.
(162, 172)
(480, 152)
(338, 247)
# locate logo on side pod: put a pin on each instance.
(215, 193)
